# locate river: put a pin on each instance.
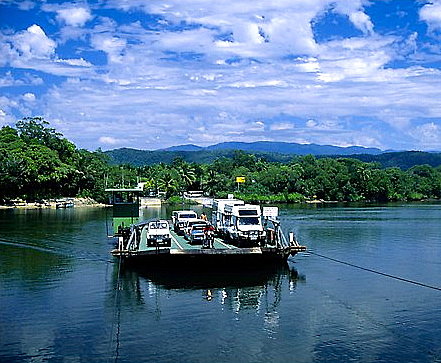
(64, 299)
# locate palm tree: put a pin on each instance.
(187, 173)
(211, 182)
(168, 183)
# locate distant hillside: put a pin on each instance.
(403, 159)
(293, 148)
(280, 148)
(188, 147)
(145, 157)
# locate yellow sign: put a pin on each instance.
(240, 179)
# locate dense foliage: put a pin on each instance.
(37, 162)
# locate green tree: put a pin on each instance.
(168, 183)
(187, 174)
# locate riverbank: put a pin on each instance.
(52, 203)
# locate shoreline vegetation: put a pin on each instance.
(51, 204)
(90, 203)
(38, 164)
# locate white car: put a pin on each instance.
(158, 234)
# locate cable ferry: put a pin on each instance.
(239, 234)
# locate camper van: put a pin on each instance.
(238, 222)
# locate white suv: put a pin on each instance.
(158, 234)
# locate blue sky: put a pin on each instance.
(150, 74)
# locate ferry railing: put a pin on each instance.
(135, 235)
(132, 242)
(279, 237)
(281, 240)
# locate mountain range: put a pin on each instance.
(273, 152)
(280, 147)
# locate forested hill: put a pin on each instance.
(146, 157)
(403, 160)
(270, 151)
(280, 148)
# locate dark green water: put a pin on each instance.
(60, 301)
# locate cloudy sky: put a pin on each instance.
(151, 74)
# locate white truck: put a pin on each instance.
(180, 219)
(238, 223)
(158, 234)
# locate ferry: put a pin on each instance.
(140, 243)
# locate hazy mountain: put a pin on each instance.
(403, 159)
(294, 148)
(188, 147)
(146, 157)
(271, 151)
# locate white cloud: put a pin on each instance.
(33, 43)
(111, 45)
(264, 83)
(358, 59)
(77, 16)
(185, 41)
(353, 8)
(428, 136)
(7, 108)
(33, 49)
(8, 80)
(362, 22)
(311, 123)
(281, 126)
(431, 14)
(324, 125)
(258, 28)
(26, 5)
(109, 140)
(29, 97)
(75, 62)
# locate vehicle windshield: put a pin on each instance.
(247, 221)
(187, 216)
(192, 223)
(158, 225)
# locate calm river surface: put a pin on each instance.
(59, 301)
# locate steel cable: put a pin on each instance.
(377, 272)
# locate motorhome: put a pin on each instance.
(238, 222)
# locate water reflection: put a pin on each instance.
(236, 290)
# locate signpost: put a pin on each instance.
(239, 179)
(270, 212)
